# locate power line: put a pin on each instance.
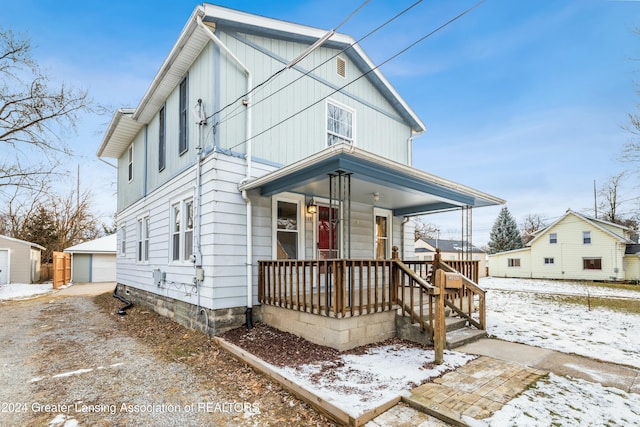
(366, 73)
(378, 28)
(284, 68)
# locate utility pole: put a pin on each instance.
(595, 201)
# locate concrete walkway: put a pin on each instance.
(607, 374)
(503, 370)
(84, 289)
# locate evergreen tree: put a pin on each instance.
(505, 235)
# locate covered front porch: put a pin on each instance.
(342, 245)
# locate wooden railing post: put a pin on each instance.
(435, 266)
(439, 328)
(394, 274)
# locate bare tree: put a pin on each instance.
(531, 224)
(53, 221)
(424, 230)
(609, 198)
(34, 117)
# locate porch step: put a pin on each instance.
(465, 335)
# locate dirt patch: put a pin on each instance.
(281, 348)
(214, 367)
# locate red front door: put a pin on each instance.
(327, 233)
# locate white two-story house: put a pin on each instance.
(262, 140)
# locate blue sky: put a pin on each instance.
(524, 100)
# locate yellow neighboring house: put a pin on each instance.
(574, 247)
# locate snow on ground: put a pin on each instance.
(359, 383)
(557, 400)
(22, 290)
(528, 318)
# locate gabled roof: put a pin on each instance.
(103, 245)
(194, 38)
(597, 223)
(35, 245)
(450, 245)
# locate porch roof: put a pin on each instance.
(403, 189)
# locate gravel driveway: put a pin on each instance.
(66, 362)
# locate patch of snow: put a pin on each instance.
(516, 312)
(10, 291)
(359, 383)
(557, 400)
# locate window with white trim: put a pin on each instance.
(183, 143)
(513, 262)
(592, 263)
(553, 238)
(382, 233)
(287, 229)
(549, 261)
(130, 163)
(586, 237)
(181, 230)
(340, 123)
(143, 239)
(123, 240)
(162, 139)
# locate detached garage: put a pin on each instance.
(19, 261)
(94, 261)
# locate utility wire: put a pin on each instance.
(378, 28)
(364, 74)
(284, 68)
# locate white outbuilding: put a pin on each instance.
(94, 261)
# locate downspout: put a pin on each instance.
(249, 237)
(413, 136)
(403, 236)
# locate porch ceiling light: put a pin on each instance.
(375, 196)
(312, 207)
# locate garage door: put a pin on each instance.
(103, 268)
(4, 266)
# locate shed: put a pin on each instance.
(94, 261)
(19, 261)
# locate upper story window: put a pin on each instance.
(182, 119)
(340, 124)
(586, 237)
(553, 238)
(130, 163)
(162, 141)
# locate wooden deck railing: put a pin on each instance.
(351, 287)
(335, 287)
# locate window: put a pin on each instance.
(586, 237)
(188, 229)
(130, 162)
(553, 238)
(287, 230)
(382, 234)
(513, 262)
(341, 67)
(175, 232)
(162, 142)
(549, 261)
(143, 239)
(339, 124)
(592, 263)
(182, 111)
(123, 240)
(182, 230)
